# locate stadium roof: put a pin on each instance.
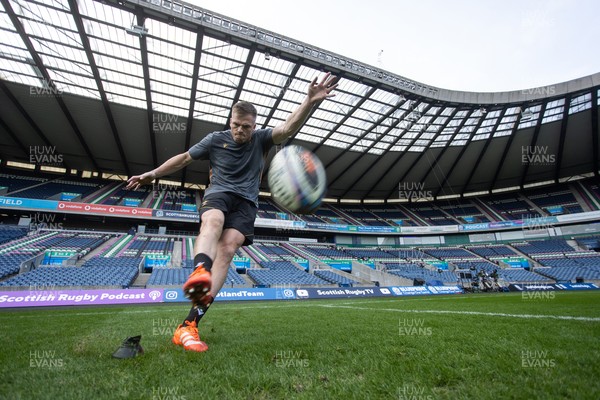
(118, 87)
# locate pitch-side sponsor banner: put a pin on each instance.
(247, 294)
(531, 286)
(320, 293)
(475, 227)
(410, 290)
(444, 289)
(192, 216)
(328, 227)
(576, 286)
(176, 295)
(323, 293)
(579, 216)
(378, 229)
(552, 286)
(15, 202)
(176, 215)
(415, 229)
(85, 208)
(40, 298)
(541, 221)
(279, 223)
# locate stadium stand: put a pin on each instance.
(433, 216)
(333, 277)
(120, 196)
(426, 276)
(177, 277)
(465, 213)
(391, 214)
(511, 206)
(539, 247)
(10, 263)
(14, 183)
(370, 254)
(327, 251)
(553, 258)
(447, 253)
(589, 242)
(11, 232)
(98, 272)
(53, 190)
(276, 273)
(492, 251)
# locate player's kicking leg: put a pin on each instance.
(197, 287)
(186, 334)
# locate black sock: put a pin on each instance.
(196, 313)
(204, 259)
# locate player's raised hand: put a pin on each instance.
(322, 90)
(137, 181)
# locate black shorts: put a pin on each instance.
(240, 213)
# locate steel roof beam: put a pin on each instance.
(88, 51)
(194, 88)
(40, 65)
(146, 70)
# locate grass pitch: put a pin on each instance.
(439, 347)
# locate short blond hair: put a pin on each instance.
(244, 108)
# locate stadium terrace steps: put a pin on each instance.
(533, 205)
(345, 215)
(412, 216)
(583, 196)
(120, 245)
(366, 273)
(255, 253)
(189, 248)
(333, 277)
(488, 211)
(141, 281)
(300, 252)
(449, 216)
(104, 192)
(574, 244)
(100, 249)
(243, 252)
(176, 253)
(343, 274)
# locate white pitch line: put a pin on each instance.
(11, 313)
(309, 304)
(487, 314)
(405, 299)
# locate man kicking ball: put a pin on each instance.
(230, 202)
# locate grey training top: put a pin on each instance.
(234, 167)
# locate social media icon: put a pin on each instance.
(171, 295)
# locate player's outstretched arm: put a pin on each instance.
(317, 92)
(173, 164)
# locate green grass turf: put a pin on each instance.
(400, 348)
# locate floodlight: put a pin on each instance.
(137, 30)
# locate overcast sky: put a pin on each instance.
(473, 45)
